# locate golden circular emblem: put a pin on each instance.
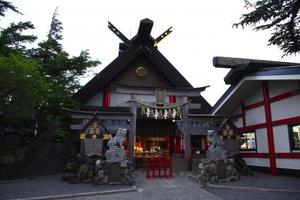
(141, 71)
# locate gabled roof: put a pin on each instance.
(246, 75)
(92, 120)
(142, 44)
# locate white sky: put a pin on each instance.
(201, 30)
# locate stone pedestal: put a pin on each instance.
(115, 155)
(221, 170)
(115, 172)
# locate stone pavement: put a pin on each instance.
(178, 187)
(48, 187)
(262, 186)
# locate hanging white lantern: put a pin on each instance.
(156, 114)
(174, 113)
(148, 112)
(166, 114)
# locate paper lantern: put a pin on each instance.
(151, 113)
(170, 114)
(160, 115)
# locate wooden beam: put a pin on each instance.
(132, 129)
(187, 136)
(162, 36)
(118, 33)
(137, 90)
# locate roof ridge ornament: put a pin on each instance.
(118, 33)
(144, 31)
(162, 36)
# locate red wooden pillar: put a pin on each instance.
(106, 98)
(172, 99)
(178, 144)
(269, 128)
(206, 143)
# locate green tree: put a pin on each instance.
(22, 88)
(13, 41)
(281, 17)
(6, 5)
(60, 69)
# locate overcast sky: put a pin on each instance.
(201, 30)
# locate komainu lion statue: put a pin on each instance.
(118, 140)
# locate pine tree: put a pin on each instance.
(60, 69)
(6, 5)
(13, 41)
(281, 16)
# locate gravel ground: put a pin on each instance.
(47, 186)
(261, 181)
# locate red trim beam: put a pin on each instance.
(252, 127)
(274, 123)
(273, 99)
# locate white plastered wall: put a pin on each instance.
(255, 116)
(288, 163)
(119, 100)
(261, 162)
(146, 98)
(286, 108)
(281, 139)
(262, 140)
(279, 87)
(255, 97)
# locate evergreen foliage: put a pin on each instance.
(6, 5)
(60, 69)
(36, 83)
(281, 16)
(22, 88)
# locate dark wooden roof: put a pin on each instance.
(242, 66)
(141, 44)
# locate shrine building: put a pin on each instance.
(142, 91)
(266, 95)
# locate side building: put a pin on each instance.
(267, 95)
(143, 92)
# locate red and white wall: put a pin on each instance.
(268, 111)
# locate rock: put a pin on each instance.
(72, 167)
(73, 179)
(86, 172)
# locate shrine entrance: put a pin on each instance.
(154, 137)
